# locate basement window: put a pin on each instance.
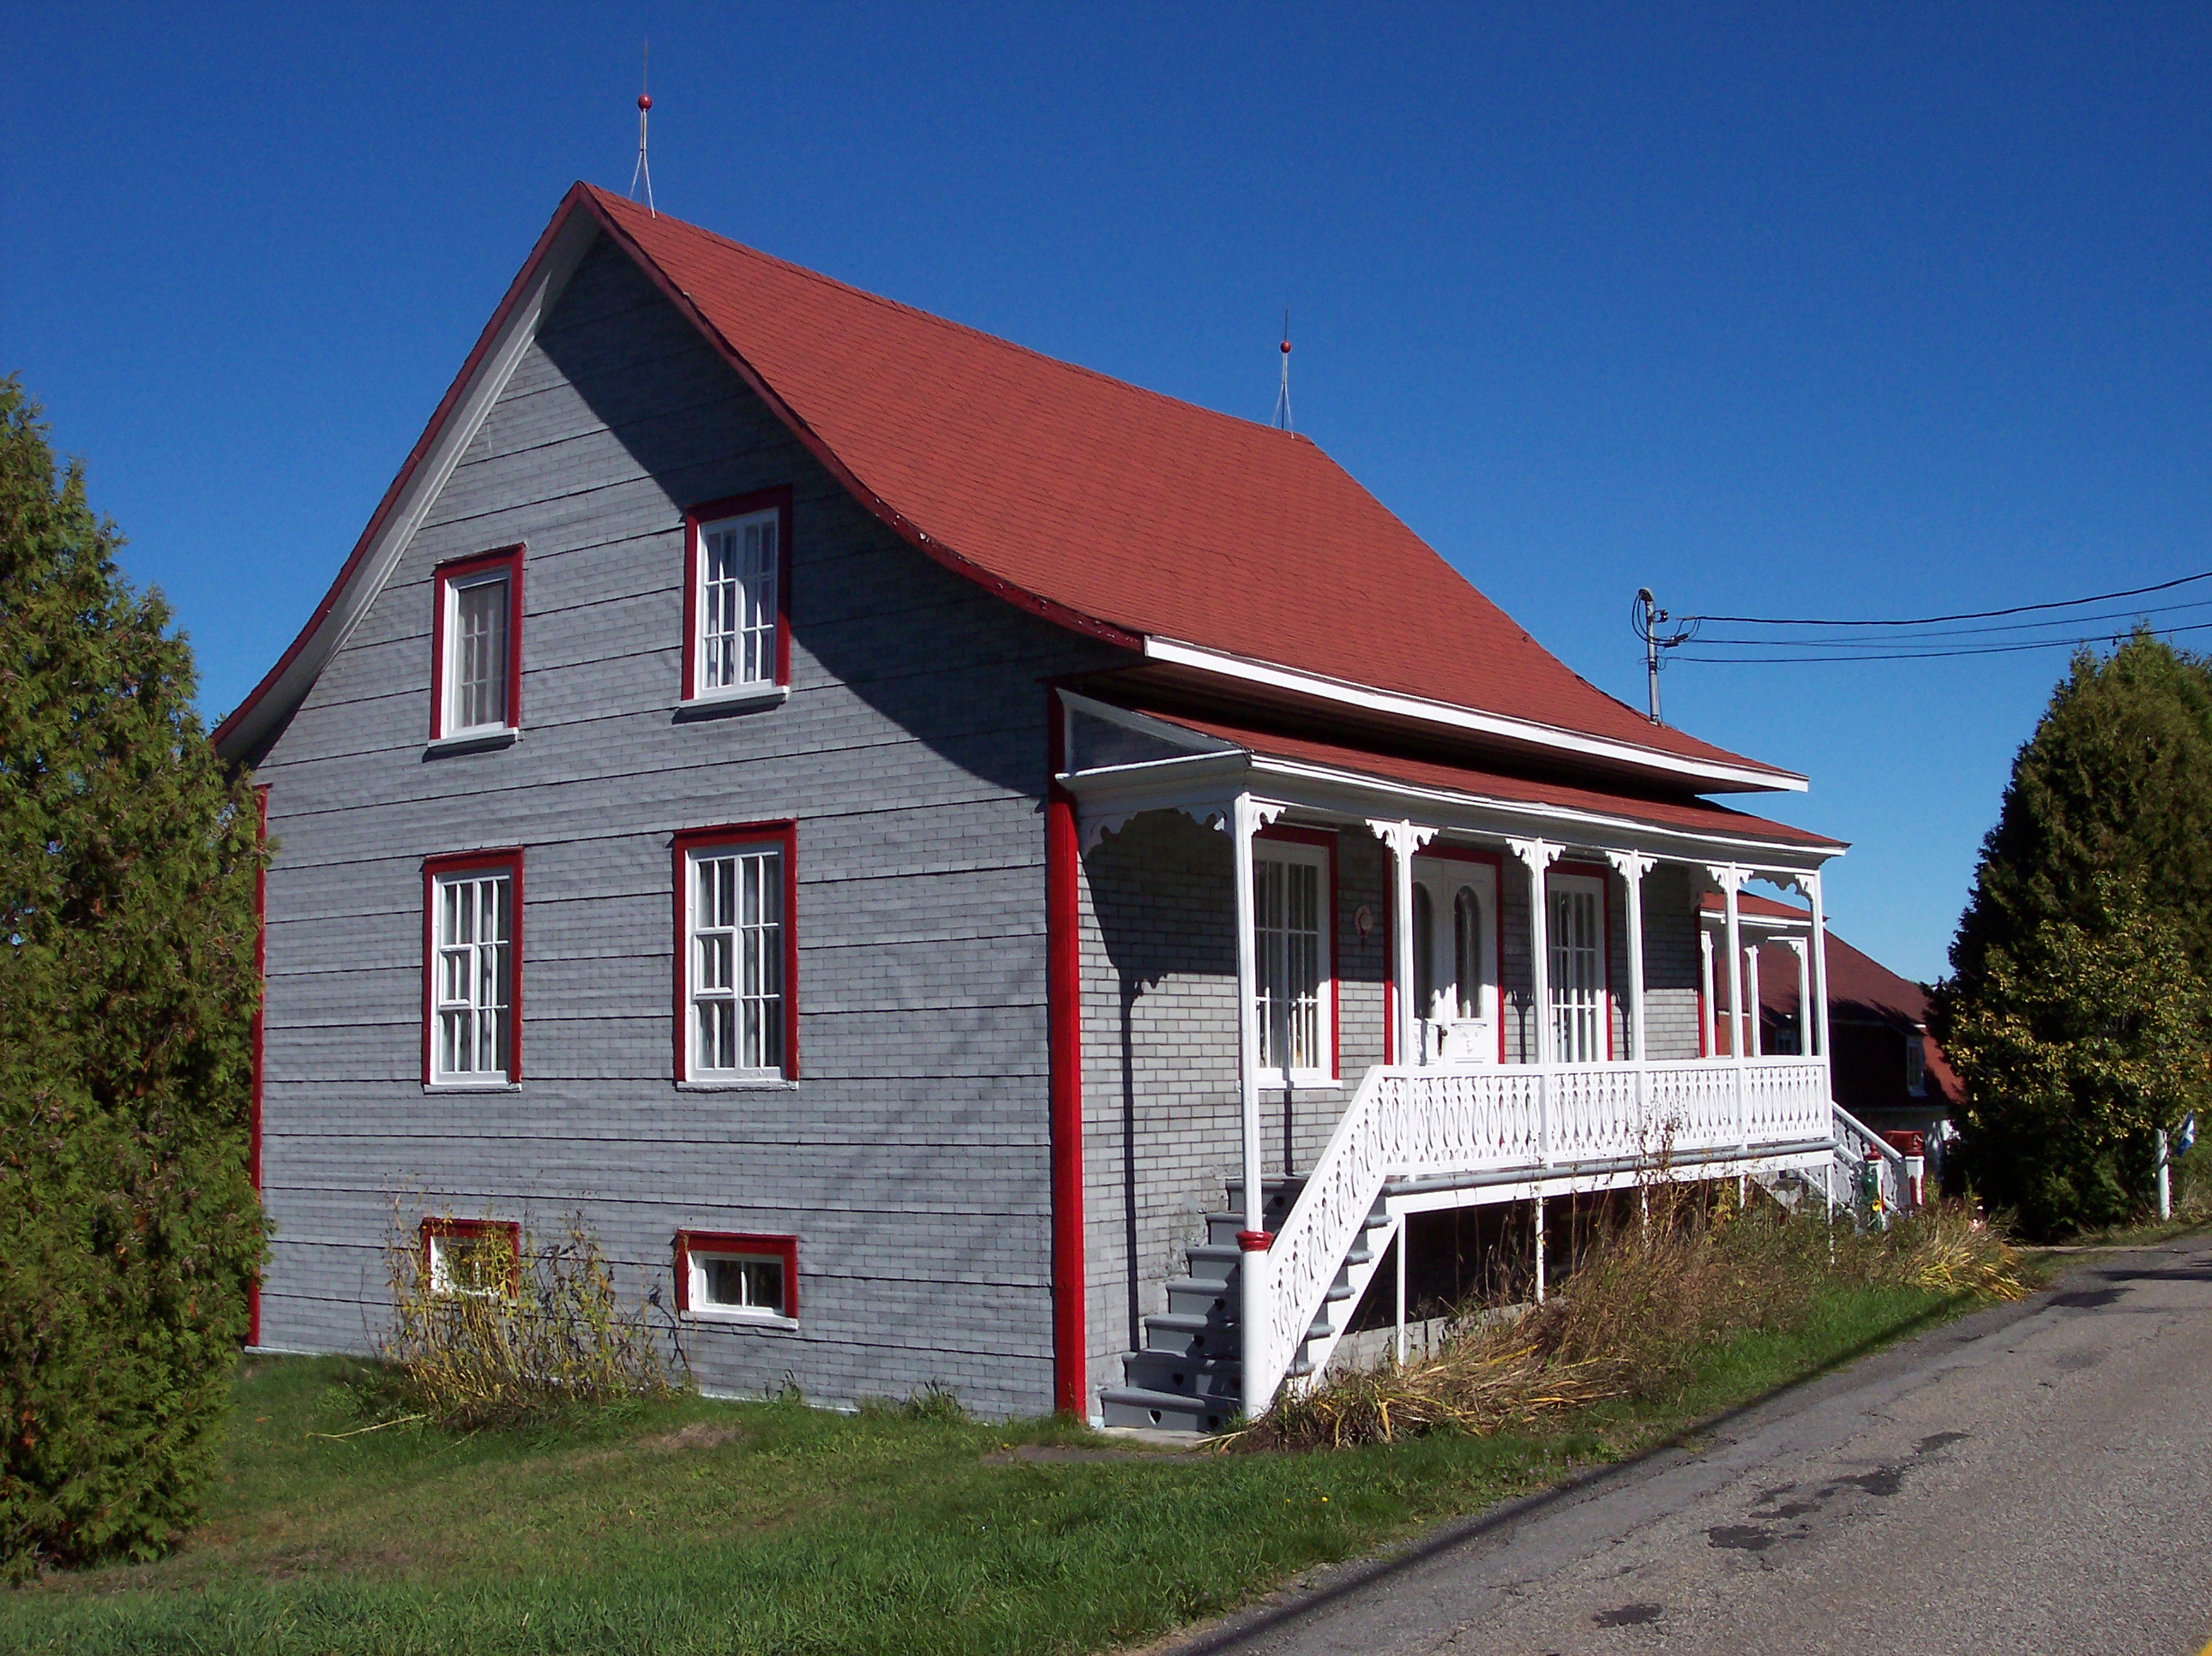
(476, 1258)
(738, 1277)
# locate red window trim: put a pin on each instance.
(1603, 874)
(1496, 861)
(260, 1012)
(785, 1248)
(777, 500)
(458, 569)
(784, 834)
(462, 862)
(1327, 840)
(468, 1230)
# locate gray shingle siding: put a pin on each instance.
(911, 1160)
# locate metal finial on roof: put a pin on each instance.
(644, 108)
(1283, 397)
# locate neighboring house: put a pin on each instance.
(914, 841)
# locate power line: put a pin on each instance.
(1965, 632)
(1943, 655)
(1968, 615)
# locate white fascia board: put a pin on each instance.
(1201, 779)
(1704, 772)
(470, 410)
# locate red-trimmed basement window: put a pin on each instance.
(473, 969)
(481, 1257)
(476, 647)
(737, 953)
(737, 597)
(720, 1274)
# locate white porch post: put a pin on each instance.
(1709, 1009)
(1632, 868)
(1537, 856)
(1403, 840)
(1804, 995)
(1729, 878)
(1253, 1240)
(1811, 882)
(1754, 1040)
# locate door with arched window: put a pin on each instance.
(1455, 960)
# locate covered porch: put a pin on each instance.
(1523, 1052)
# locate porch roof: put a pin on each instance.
(1687, 814)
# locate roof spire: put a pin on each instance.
(1283, 397)
(645, 108)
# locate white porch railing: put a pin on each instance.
(1407, 1122)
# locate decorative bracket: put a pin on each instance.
(1537, 855)
(1630, 865)
(1404, 839)
(1220, 814)
(1806, 880)
(1728, 877)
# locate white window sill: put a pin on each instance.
(740, 1085)
(768, 1321)
(471, 1085)
(1300, 1081)
(491, 737)
(746, 698)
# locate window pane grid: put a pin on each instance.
(736, 604)
(476, 664)
(1577, 989)
(737, 961)
(475, 976)
(1287, 955)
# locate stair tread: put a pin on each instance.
(1145, 1398)
(1191, 1322)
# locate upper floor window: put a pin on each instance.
(472, 991)
(1292, 898)
(1916, 1063)
(737, 1019)
(737, 597)
(477, 663)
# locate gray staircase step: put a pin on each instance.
(1180, 1333)
(1134, 1405)
(1203, 1299)
(1217, 1378)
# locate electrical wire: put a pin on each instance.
(2012, 648)
(1963, 632)
(1968, 615)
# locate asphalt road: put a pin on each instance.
(2034, 1479)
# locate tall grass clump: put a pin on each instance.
(507, 1328)
(1643, 1302)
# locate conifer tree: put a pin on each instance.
(2077, 1011)
(128, 1230)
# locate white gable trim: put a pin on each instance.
(1706, 774)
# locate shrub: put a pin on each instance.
(128, 1230)
(1631, 1320)
(515, 1329)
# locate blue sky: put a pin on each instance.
(1837, 311)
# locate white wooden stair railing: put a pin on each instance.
(1411, 1122)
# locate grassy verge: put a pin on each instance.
(691, 1526)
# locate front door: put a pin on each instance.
(1455, 960)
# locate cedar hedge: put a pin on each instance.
(129, 1226)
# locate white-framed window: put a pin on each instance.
(1916, 1063)
(1577, 927)
(740, 1277)
(1468, 954)
(1291, 978)
(736, 565)
(480, 1258)
(477, 618)
(734, 945)
(472, 980)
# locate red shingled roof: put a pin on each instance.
(1115, 504)
(1697, 816)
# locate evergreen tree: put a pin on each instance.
(128, 1230)
(2077, 1011)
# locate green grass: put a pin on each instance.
(698, 1527)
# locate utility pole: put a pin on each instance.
(1649, 620)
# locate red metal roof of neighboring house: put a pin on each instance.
(1855, 979)
(1697, 816)
(1096, 503)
